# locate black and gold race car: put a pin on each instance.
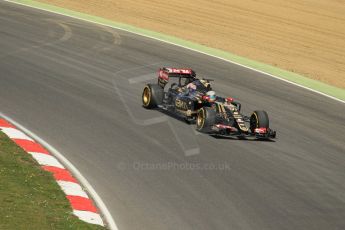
(192, 99)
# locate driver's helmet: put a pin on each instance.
(211, 96)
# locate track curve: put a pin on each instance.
(78, 86)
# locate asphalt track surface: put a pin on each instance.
(67, 81)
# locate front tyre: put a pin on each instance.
(259, 119)
(152, 96)
(206, 118)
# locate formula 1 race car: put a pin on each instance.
(193, 100)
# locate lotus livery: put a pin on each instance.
(181, 93)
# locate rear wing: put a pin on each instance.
(165, 73)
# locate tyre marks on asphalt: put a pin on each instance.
(108, 40)
(67, 35)
(67, 31)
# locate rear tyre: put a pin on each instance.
(206, 118)
(259, 119)
(152, 96)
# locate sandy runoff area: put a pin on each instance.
(302, 36)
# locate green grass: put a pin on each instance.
(30, 198)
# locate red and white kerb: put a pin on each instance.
(82, 205)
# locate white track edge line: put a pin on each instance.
(182, 46)
(99, 203)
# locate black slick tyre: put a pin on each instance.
(206, 118)
(259, 119)
(152, 96)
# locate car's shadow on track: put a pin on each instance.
(175, 116)
(220, 137)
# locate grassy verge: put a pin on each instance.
(29, 196)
